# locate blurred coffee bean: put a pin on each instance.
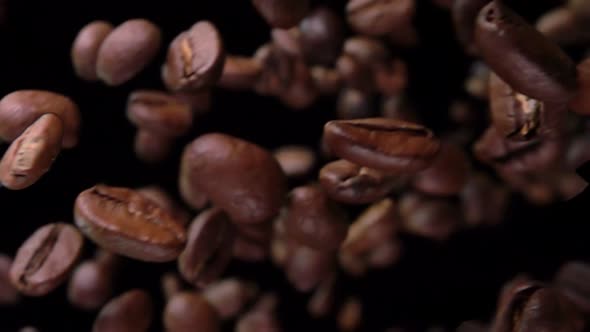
(282, 13)
(307, 267)
(239, 73)
(572, 281)
(186, 311)
(447, 174)
(91, 285)
(8, 293)
(84, 52)
(350, 315)
(321, 302)
(230, 296)
(296, 160)
(375, 17)
(131, 311)
(375, 226)
(322, 36)
(354, 104)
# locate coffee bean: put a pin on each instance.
(447, 174)
(230, 296)
(355, 74)
(31, 155)
(199, 101)
(321, 36)
(522, 56)
(391, 77)
(300, 92)
(131, 312)
(570, 280)
(581, 102)
(8, 293)
(19, 109)
(239, 73)
(321, 302)
(562, 26)
(378, 17)
(354, 104)
(261, 317)
(349, 183)
(354, 265)
(282, 13)
(159, 112)
(350, 315)
(195, 58)
(296, 161)
(249, 250)
(483, 200)
(314, 220)
(45, 259)
(307, 267)
(464, 14)
(239, 177)
(384, 144)
(207, 253)
(91, 285)
(127, 50)
(477, 84)
(151, 147)
(326, 80)
(85, 48)
(433, 218)
(165, 201)
(127, 223)
(385, 254)
(187, 311)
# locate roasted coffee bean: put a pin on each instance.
(581, 8)
(199, 101)
(230, 296)
(151, 147)
(261, 318)
(529, 306)
(127, 223)
(398, 108)
(31, 155)
(85, 48)
(571, 281)
(187, 311)
(483, 201)
(195, 58)
(321, 36)
(239, 73)
(354, 104)
(435, 218)
(376, 225)
(249, 250)
(91, 285)
(19, 109)
(288, 41)
(165, 201)
(207, 253)
(578, 152)
(355, 74)
(581, 102)
(8, 293)
(127, 50)
(321, 302)
(377, 17)
(447, 174)
(353, 265)
(385, 254)
(45, 259)
(282, 13)
(562, 26)
(391, 77)
(239, 177)
(519, 117)
(464, 13)
(131, 311)
(477, 84)
(383, 144)
(171, 285)
(295, 160)
(314, 220)
(300, 92)
(326, 80)
(277, 70)
(349, 183)
(307, 267)
(522, 56)
(159, 112)
(350, 315)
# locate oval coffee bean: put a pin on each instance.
(295, 160)
(90, 285)
(85, 48)
(207, 252)
(307, 267)
(239, 73)
(31, 155)
(230, 296)
(522, 56)
(125, 222)
(8, 293)
(464, 13)
(379, 17)
(151, 147)
(384, 144)
(195, 58)
(164, 200)
(19, 109)
(189, 311)
(448, 173)
(46, 258)
(326, 80)
(315, 221)
(350, 315)
(237, 176)
(127, 50)
(282, 13)
(349, 183)
(159, 112)
(130, 312)
(581, 102)
(321, 36)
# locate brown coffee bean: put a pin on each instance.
(301, 91)
(578, 152)
(477, 84)
(434, 218)
(448, 173)
(562, 26)
(307, 267)
(581, 8)
(353, 265)
(398, 108)
(321, 36)
(261, 318)
(391, 77)
(354, 104)
(230, 296)
(8, 293)
(239, 73)
(159, 112)
(282, 13)
(171, 285)
(127, 223)
(378, 17)
(385, 254)
(45, 259)
(530, 306)
(127, 50)
(349, 183)
(85, 48)
(295, 160)
(581, 102)
(376, 225)
(90, 286)
(350, 315)
(522, 56)
(261, 233)
(483, 201)
(165, 201)
(383, 144)
(195, 58)
(19, 109)
(31, 155)
(207, 252)
(464, 13)
(151, 147)
(187, 311)
(326, 80)
(249, 250)
(130, 312)
(355, 74)
(239, 177)
(367, 50)
(288, 41)
(321, 302)
(571, 281)
(199, 101)
(314, 220)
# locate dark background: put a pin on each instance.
(433, 284)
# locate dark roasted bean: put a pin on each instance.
(85, 48)
(187, 311)
(8, 293)
(230, 296)
(377, 17)
(282, 13)
(159, 112)
(447, 174)
(91, 285)
(376, 225)
(130, 312)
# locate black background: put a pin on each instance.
(440, 284)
